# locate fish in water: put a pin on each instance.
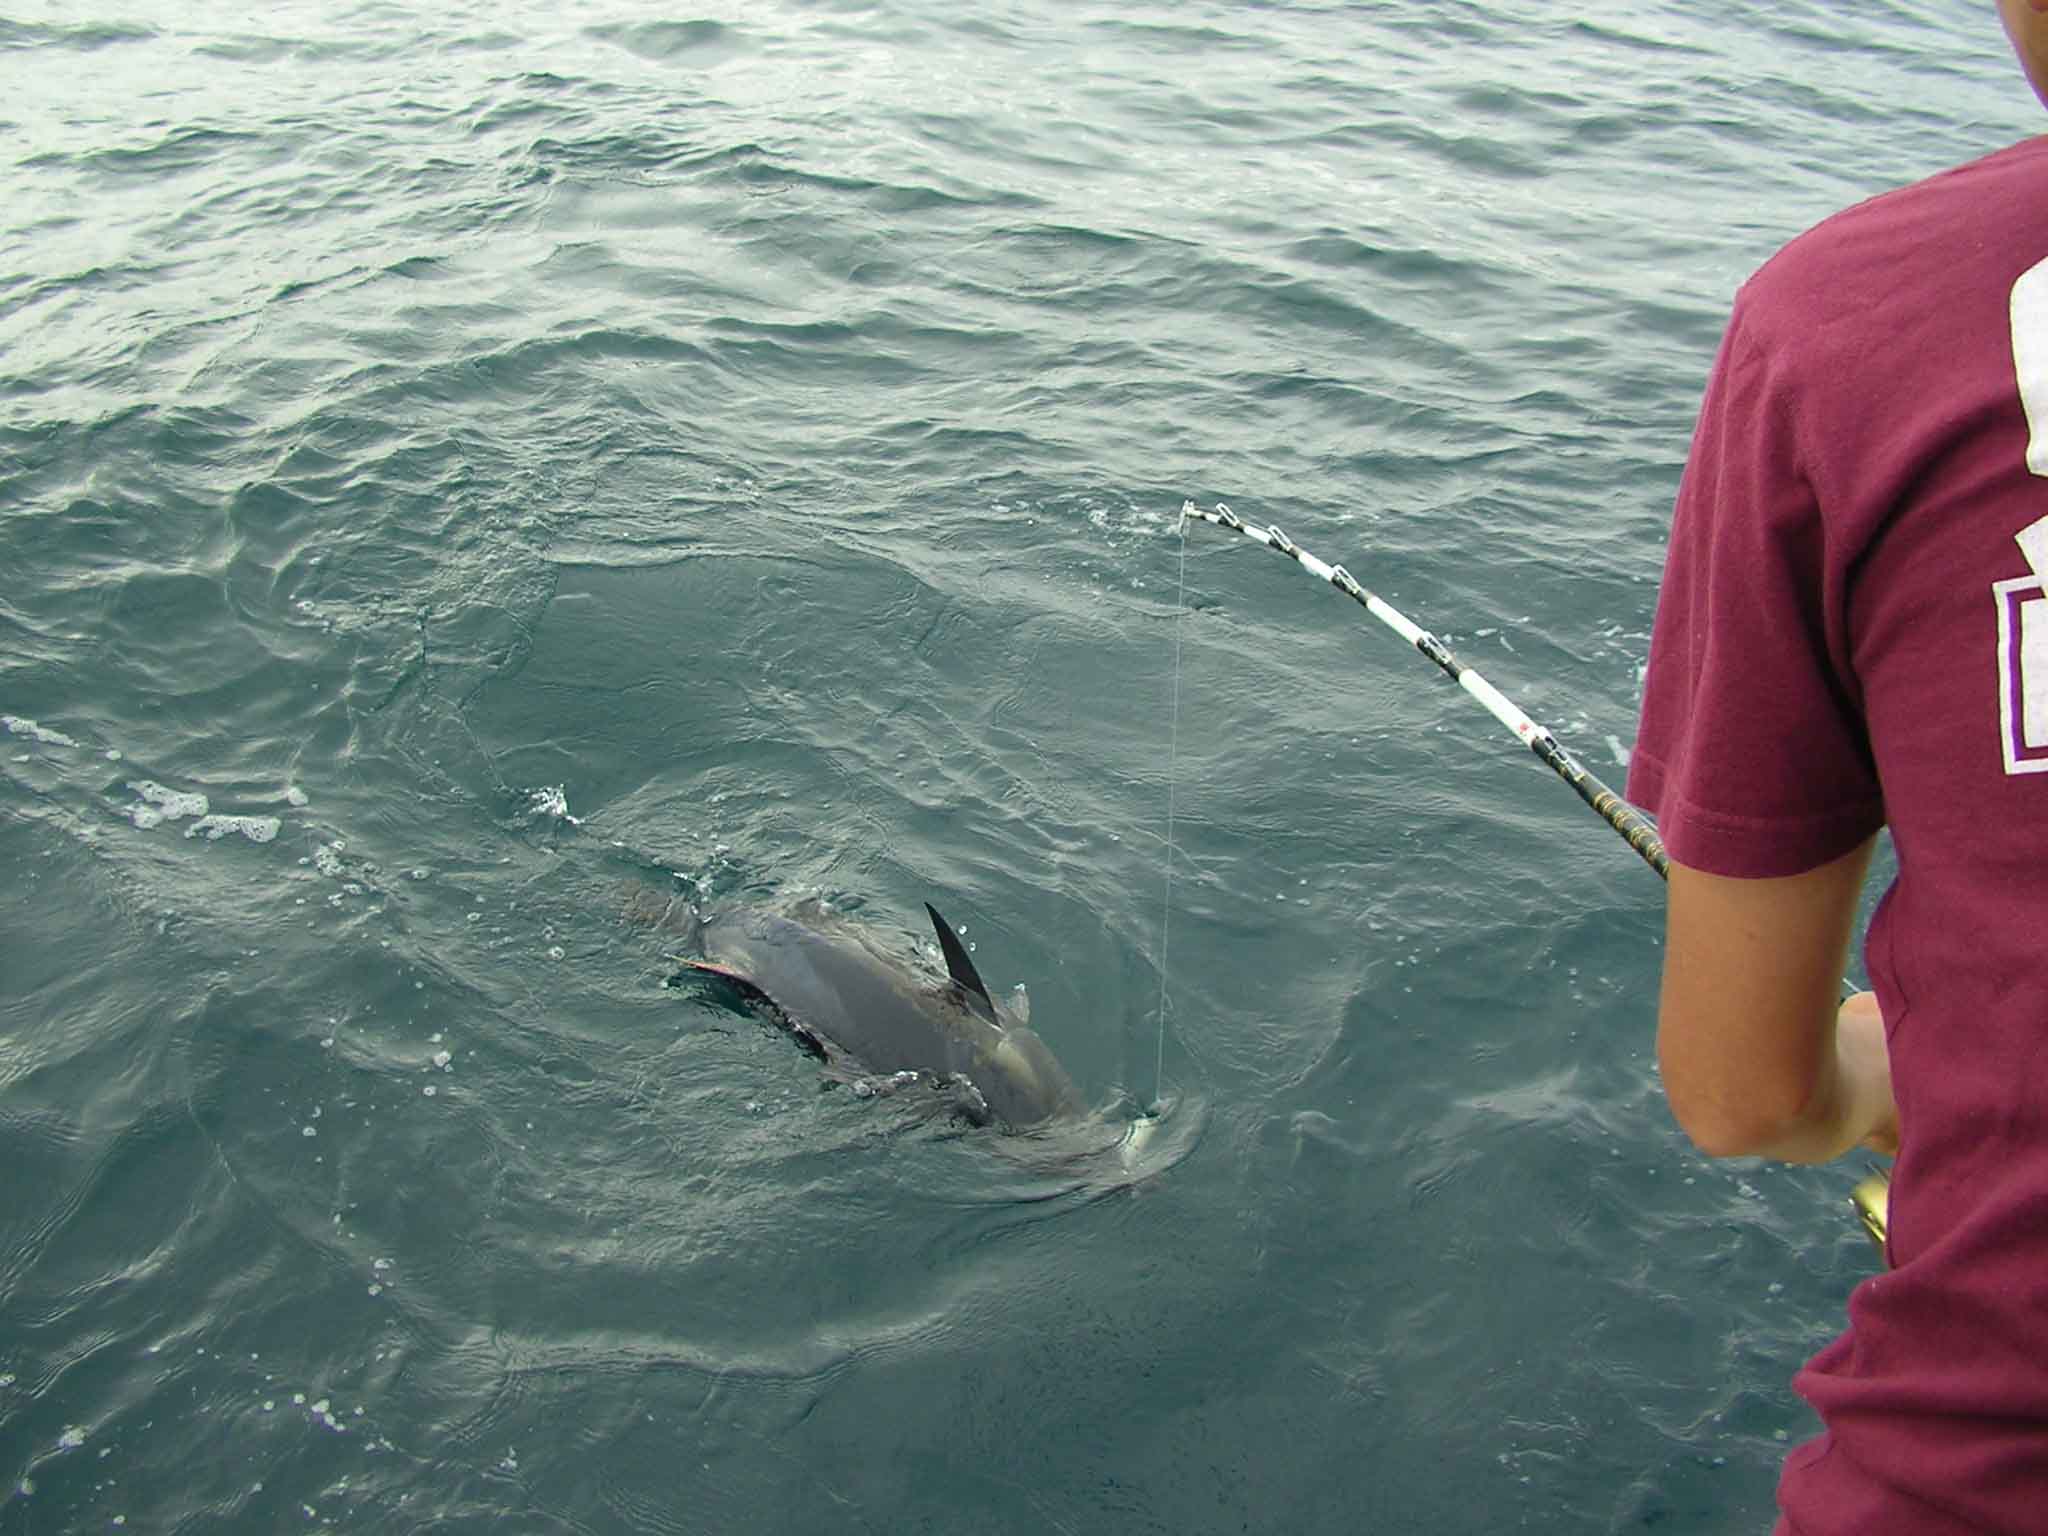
(863, 1011)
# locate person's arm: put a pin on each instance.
(1759, 1056)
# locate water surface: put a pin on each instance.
(456, 467)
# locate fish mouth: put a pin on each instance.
(1158, 1139)
(1138, 1136)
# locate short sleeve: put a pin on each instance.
(1751, 750)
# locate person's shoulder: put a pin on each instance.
(1882, 249)
(1970, 201)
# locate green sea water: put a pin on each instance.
(466, 472)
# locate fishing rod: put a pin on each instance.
(1633, 827)
(1636, 829)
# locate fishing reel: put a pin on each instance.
(1871, 1199)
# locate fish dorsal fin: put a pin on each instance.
(962, 970)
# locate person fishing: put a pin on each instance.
(1852, 634)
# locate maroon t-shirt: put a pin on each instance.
(1853, 633)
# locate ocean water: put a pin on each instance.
(469, 472)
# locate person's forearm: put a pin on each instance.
(1758, 1055)
(1852, 1103)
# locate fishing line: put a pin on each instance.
(1180, 614)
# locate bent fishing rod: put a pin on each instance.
(1630, 824)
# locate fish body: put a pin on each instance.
(863, 1010)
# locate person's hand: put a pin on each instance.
(1866, 1069)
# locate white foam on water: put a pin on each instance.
(17, 726)
(72, 1438)
(553, 800)
(296, 796)
(258, 829)
(159, 805)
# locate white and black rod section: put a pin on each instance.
(1635, 828)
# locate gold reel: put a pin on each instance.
(1871, 1198)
